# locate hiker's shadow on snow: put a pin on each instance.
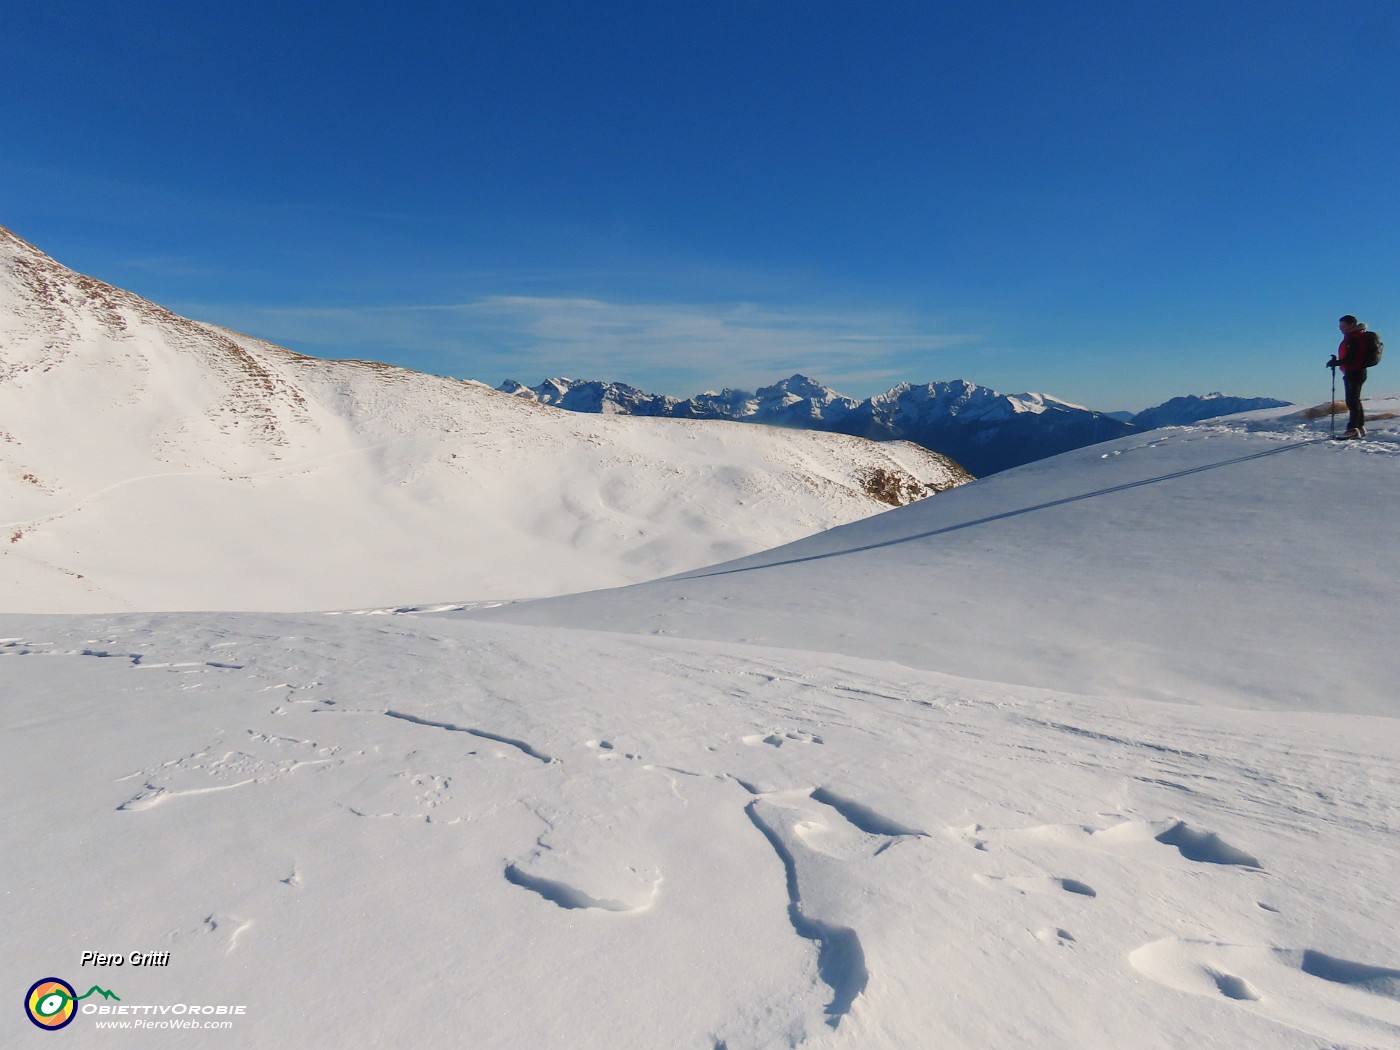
(1009, 513)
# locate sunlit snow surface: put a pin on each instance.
(754, 807)
(152, 462)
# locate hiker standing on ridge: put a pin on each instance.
(1352, 357)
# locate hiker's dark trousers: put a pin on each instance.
(1352, 381)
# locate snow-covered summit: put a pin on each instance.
(1180, 411)
(151, 461)
(589, 396)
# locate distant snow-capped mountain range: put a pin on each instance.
(983, 430)
(1183, 411)
(149, 461)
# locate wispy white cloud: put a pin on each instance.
(670, 347)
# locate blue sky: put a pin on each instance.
(1112, 202)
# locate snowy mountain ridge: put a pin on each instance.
(152, 461)
(956, 417)
(1182, 411)
(980, 428)
(773, 404)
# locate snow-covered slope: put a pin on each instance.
(1229, 562)
(150, 461)
(792, 802)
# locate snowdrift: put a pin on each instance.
(1241, 562)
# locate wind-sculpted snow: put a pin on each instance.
(519, 745)
(522, 837)
(1205, 846)
(840, 958)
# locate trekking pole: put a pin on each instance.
(1332, 405)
